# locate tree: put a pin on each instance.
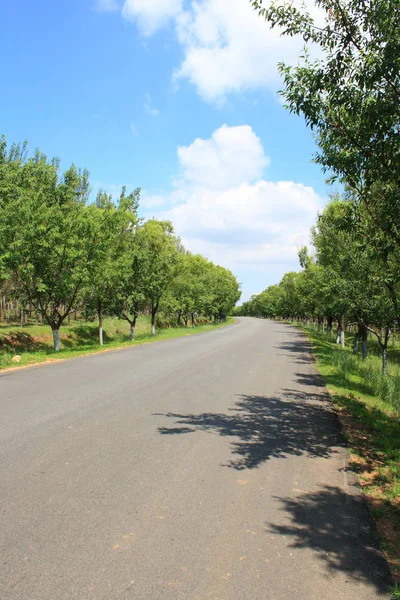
(47, 233)
(189, 293)
(353, 267)
(115, 226)
(224, 292)
(157, 256)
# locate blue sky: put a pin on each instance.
(178, 98)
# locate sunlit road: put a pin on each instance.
(205, 467)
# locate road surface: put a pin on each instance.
(204, 467)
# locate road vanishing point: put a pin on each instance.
(204, 467)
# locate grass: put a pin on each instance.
(395, 592)
(34, 343)
(369, 408)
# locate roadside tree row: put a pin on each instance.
(344, 283)
(60, 251)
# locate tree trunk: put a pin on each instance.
(355, 342)
(330, 321)
(338, 332)
(364, 341)
(193, 323)
(384, 347)
(56, 340)
(179, 318)
(154, 310)
(384, 360)
(100, 315)
(342, 337)
(132, 331)
(323, 325)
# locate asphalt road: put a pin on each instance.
(205, 467)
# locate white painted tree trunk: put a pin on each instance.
(153, 330)
(100, 315)
(384, 361)
(56, 340)
(355, 342)
(132, 332)
(342, 334)
(364, 343)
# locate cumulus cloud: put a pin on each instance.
(151, 15)
(226, 46)
(223, 207)
(263, 213)
(231, 156)
(230, 49)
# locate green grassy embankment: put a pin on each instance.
(34, 343)
(368, 405)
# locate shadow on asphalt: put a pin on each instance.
(337, 526)
(294, 424)
(332, 523)
(310, 380)
(297, 350)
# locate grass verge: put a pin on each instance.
(33, 343)
(371, 421)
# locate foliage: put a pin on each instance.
(46, 232)
(346, 281)
(60, 253)
(349, 94)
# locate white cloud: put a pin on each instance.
(154, 112)
(230, 49)
(151, 15)
(231, 156)
(261, 213)
(227, 47)
(224, 208)
(107, 5)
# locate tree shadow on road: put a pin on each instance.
(331, 522)
(297, 349)
(336, 525)
(293, 424)
(310, 379)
